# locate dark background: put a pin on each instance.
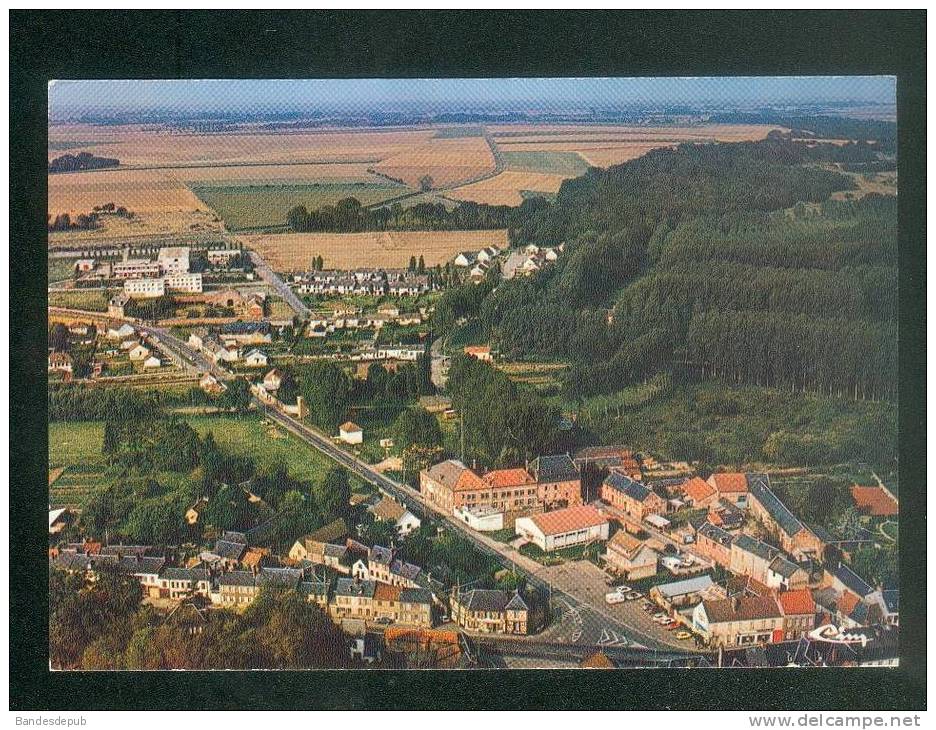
(204, 44)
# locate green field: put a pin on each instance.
(77, 447)
(554, 163)
(89, 300)
(244, 207)
(61, 269)
(452, 132)
(247, 436)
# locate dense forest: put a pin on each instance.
(725, 261)
(349, 216)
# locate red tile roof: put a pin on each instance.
(349, 426)
(568, 519)
(731, 482)
(874, 501)
(797, 603)
(741, 608)
(697, 489)
(846, 604)
(387, 592)
(508, 477)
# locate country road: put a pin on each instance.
(270, 277)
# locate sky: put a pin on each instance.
(255, 95)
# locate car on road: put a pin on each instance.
(633, 595)
(618, 595)
(671, 625)
(664, 619)
(683, 635)
(384, 620)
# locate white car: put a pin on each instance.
(618, 595)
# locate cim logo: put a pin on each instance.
(834, 635)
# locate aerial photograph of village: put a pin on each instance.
(473, 373)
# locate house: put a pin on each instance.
(59, 519)
(488, 254)
(188, 618)
(530, 266)
(732, 486)
(633, 498)
(315, 591)
(247, 333)
(350, 433)
(256, 359)
(714, 543)
(139, 352)
(615, 456)
(489, 611)
(630, 557)
(392, 511)
(60, 362)
(786, 575)
(183, 282)
(558, 483)
(152, 362)
(567, 527)
(375, 602)
(874, 501)
(210, 384)
(682, 592)
(365, 648)
(465, 258)
(751, 557)
(794, 536)
(194, 512)
(272, 380)
(888, 602)
(479, 352)
(123, 332)
(450, 485)
(174, 259)
(699, 493)
(116, 304)
(237, 588)
(512, 491)
(230, 548)
(725, 514)
(739, 621)
(799, 612)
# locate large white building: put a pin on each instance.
(174, 259)
(480, 517)
(563, 528)
(184, 282)
(144, 288)
(136, 269)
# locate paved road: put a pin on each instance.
(438, 373)
(264, 271)
(592, 615)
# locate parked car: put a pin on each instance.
(683, 635)
(634, 595)
(671, 625)
(618, 595)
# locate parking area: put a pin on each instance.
(580, 620)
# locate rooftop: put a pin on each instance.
(697, 489)
(569, 519)
(454, 475)
(554, 468)
(626, 485)
(797, 603)
(731, 482)
(741, 608)
(682, 587)
(778, 511)
(508, 478)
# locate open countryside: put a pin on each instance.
(444, 388)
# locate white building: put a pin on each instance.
(256, 359)
(350, 433)
(184, 282)
(144, 288)
(174, 259)
(152, 362)
(563, 528)
(139, 352)
(480, 518)
(120, 333)
(136, 269)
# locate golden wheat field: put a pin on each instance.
(294, 251)
(504, 189)
(448, 161)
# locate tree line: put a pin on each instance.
(81, 161)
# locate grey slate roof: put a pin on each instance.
(313, 588)
(380, 555)
(891, 601)
(125, 550)
(144, 566)
(352, 587)
(191, 574)
(756, 547)
(715, 533)
(782, 566)
(484, 599)
(237, 578)
(683, 587)
(778, 511)
(334, 551)
(407, 570)
(626, 485)
(851, 580)
(245, 328)
(516, 604)
(556, 468)
(415, 595)
(230, 550)
(289, 577)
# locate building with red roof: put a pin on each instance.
(699, 492)
(732, 486)
(799, 612)
(577, 525)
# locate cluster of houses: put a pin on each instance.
(351, 318)
(374, 282)
(530, 259)
(234, 342)
(477, 263)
